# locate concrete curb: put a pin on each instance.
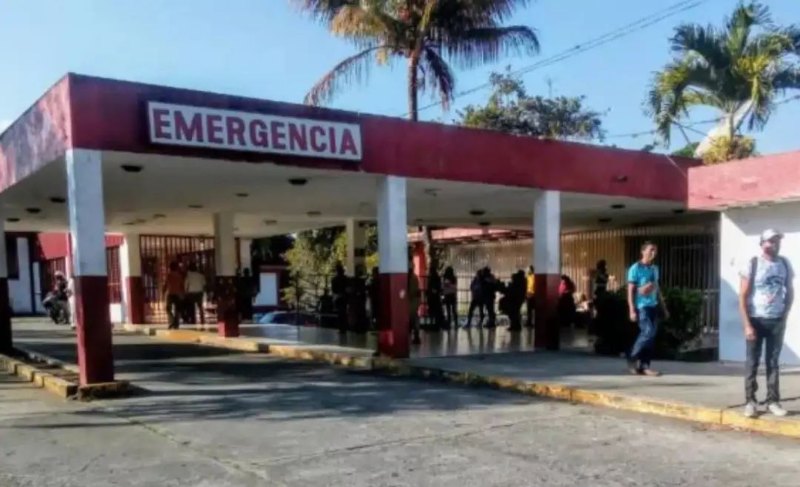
(689, 412)
(63, 388)
(401, 368)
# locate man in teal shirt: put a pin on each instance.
(644, 298)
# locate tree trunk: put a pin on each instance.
(427, 240)
(413, 66)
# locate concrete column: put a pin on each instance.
(356, 245)
(130, 264)
(225, 285)
(5, 305)
(87, 235)
(393, 322)
(547, 267)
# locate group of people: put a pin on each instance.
(350, 295)
(56, 302)
(766, 296)
(185, 288)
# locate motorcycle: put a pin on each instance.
(57, 308)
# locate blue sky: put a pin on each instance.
(267, 49)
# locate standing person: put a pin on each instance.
(765, 299)
(339, 291)
(373, 292)
(644, 297)
(530, 295)
(413, 304)
(245, 292)
(195, 286)
(490, 288)
(476, 299)
(600, 280)
(566, 301)
(174, 291)
(434, 298)
(450, 293)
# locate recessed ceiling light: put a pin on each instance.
(679, 211)
(159, 215)
(195, 206)
(242, 195)
(484, 224)
(12, 219)
(58, 199)
(477, 212)
(33, 211)
(313, 213)
(131, 168)
(298, 181)
(270, 222)
(604, 220)
(431, 191)
(617, 206)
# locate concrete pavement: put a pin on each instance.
(245, 420)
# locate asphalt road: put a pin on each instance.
(242, 420)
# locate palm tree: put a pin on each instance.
(427, 34)
(739, 69)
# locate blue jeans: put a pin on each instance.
(645, 343)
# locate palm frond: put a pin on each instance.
(438, 75)
(353, 68)
(479, 46)
(323, 10)
(702, 44)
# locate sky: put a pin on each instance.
(268, 49)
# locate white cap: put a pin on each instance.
(769, 234)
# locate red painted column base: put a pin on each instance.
(227, 311)
(547, 333)
(6, 342)
(95, 356)
(393, 317)
(134, 311)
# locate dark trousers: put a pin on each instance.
(174, 310)
(769, 335)
(645, 343)
(194, 306)
(530, 305)
(473, 305)
(450, 310)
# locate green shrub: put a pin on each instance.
(616, 333)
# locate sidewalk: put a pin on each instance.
(706, 392)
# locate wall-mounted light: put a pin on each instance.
(132, 168)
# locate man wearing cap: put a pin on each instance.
(765, 298)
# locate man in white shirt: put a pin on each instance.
(195, 286)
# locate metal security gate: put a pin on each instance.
(157, 252)
(114, 273)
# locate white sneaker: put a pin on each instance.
(776, 409)
(750, 410)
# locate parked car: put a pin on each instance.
(288, 318)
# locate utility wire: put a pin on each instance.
(596, 42)
(690, 125)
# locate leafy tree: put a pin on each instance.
(687, 151)
(738, 69)
(312, 261)
(510, 109)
